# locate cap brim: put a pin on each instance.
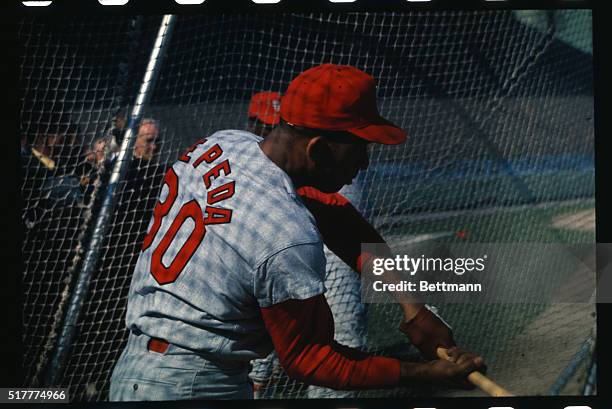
(382, 131)
(268, 119)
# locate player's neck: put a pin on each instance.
(288, 155)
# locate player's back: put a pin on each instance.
(224, 209)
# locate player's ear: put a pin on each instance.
(320, 152)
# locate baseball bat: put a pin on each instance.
(479, 380)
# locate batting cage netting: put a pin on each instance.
(499, 111)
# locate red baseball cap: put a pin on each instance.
(265, 106)
(338, 98)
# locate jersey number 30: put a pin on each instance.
(190, 210)
(165, 274)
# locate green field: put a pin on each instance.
(492, 329)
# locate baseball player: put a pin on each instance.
(233, 265)
(344, 229)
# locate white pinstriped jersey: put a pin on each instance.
(229, 234)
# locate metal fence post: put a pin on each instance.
(79, 292)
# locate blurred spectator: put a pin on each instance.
(49, 157)
(145, 145)
(58, 179)
(101, 156)
(136, 193)
(96, 168)
(142, 183)
(52, 217)
(108, 146)
(98, 152)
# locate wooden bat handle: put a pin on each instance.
(479, 380)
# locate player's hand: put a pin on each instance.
(452, 372)
(427, 331)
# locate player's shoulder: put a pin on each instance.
(235, 136)
(237, 146)
(265, 204)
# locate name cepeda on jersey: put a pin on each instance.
(213, 213)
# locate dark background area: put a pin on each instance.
(115, 71)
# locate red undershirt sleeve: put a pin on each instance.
(341, 225)
(302, 333)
